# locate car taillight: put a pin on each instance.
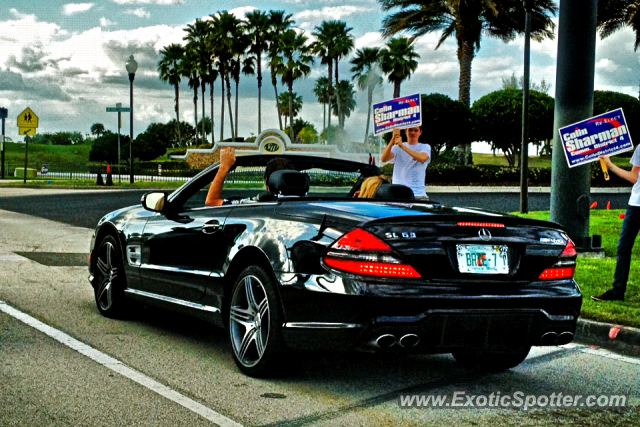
(360, 252)
(565, 267)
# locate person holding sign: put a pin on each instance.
(628, 232)
(410, 160)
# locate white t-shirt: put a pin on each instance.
(408, 171)
(634, 200)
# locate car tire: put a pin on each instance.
(491, 361)
(255, 323)
(109, 278)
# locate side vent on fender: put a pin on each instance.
(134, 255)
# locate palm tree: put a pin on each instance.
(295, 101)
(257, 28)
(197, 35)
(343, 45)
(224, 26)
(97, 129)
(321, 91)
(398, 61)
(345, 96)
(614, 15)
(279, 22)
(169, 69)
(365, 71)
(467, 21)
(295, 57)
(325, 35)
(240, 63)
(190, 70)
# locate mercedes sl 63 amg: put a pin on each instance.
(308, 266)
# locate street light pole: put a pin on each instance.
(132, 67)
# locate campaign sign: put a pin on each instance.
(401, 112)
(606, 134)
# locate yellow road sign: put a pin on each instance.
(27, 131)
(27, 119)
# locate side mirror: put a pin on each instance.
(154, 202)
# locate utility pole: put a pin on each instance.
(571, 187)
(3, 115)
(524, 148)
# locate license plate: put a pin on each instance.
(483, 259)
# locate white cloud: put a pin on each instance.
(370, 39)
(161, 2)
(73, 8)
(139, 12)
(104, 22)
(19, 15)
(240, 12)
(335, 12)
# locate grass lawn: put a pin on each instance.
(59, 157)
(534, 161)
(595, 275)
(91, 183)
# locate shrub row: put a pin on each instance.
(451, 174)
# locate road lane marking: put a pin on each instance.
(603, 353)
(117, 366)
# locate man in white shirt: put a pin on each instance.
(410, 160)
(628, 232)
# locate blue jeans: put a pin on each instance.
(628, 233)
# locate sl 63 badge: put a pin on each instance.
(403, 235)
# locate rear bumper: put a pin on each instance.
(440, 323)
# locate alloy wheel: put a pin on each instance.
(249, 321)
(107, 274)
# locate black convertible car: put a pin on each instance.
(311, 267)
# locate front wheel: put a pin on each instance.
(109, 280)
(255, 323)
(492, 361)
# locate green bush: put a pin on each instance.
(456, 174)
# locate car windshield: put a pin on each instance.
(248, 181)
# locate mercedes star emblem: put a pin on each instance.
(484, 234)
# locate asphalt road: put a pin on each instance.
(157, 368)
(84, 208)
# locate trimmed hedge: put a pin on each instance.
(452, 174)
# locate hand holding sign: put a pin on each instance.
(396, 138)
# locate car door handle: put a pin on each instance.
(211, 227)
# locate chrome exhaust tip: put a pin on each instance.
(565, 338)
(549, 338)
(386, 341)
(409, 340)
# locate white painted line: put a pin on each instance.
(603, 353)
(13, 258)
(117, 366)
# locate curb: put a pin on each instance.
(609, 335)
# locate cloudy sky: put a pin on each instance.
(66, 61)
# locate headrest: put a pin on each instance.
(287, 182)
(393, 191)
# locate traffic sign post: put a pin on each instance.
(119, 109)
(27, 124)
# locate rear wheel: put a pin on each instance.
(481, 360)
(109, 279)
(255, 323)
